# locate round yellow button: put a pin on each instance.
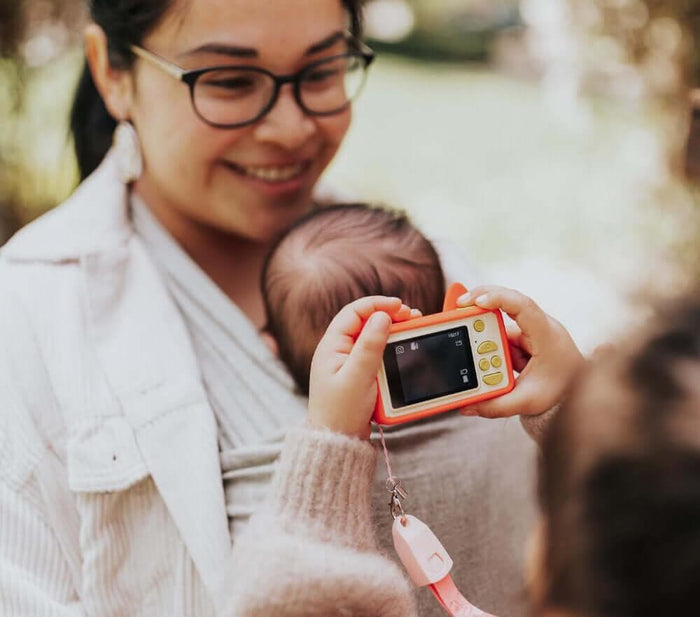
(484, 364)
(496, 361)
(479, 325)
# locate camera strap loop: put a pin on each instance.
(425, 559)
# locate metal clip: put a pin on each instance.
(396, 508)
(393, 485)
(398, 494)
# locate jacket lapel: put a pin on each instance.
(144, 349)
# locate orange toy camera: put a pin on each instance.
(444, 361)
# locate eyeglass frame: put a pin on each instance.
(190, 77)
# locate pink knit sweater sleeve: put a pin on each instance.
(312, 551)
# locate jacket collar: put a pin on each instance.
(94, 219)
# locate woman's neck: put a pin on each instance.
(233, 263)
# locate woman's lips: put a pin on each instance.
(273, 174)
(275, 181)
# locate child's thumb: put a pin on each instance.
(366, 356)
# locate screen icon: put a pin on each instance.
(399, 349)
(458, 343)
(414, 345)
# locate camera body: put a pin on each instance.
(441, 362)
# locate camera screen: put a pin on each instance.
(429, 366)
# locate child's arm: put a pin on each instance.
(343, 387)
(311, 552)
(543, 353)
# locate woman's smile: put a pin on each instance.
(274, 179)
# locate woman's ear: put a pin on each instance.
(114, 85)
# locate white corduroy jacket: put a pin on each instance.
(100, 393)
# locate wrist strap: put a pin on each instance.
(447, 594)
(426, 561)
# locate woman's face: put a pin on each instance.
(251, 181)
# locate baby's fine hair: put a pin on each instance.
(620, 479)
(333, 256)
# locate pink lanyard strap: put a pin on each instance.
(454, 602)
(425, 559)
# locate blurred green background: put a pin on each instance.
(464, 122)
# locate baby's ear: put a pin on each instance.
(271, 342)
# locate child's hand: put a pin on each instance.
(343, 387)
(542, 350)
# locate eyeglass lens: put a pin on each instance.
(237, 96)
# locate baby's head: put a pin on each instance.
(333, 256)
(620, 481)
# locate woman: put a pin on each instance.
(133, 372)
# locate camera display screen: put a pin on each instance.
(429, 366)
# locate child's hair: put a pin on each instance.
(333, 256)
(620, 479)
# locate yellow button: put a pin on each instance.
(493, 379)
(484, 364)
(496, 361)
(487, 347)
(479, 325)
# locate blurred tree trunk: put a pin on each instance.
(28, 28)
(11, 33)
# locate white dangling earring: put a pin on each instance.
(128, 152)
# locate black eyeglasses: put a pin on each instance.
(229, 97)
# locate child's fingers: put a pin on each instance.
(518, 401)
(530, 318)
(364, 361)
(519, 357)
(403, 314)
(350, 319)
(513, 332)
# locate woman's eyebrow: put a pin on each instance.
(222, 49)
(329, 41)
(236, 51)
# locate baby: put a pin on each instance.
(333, 256)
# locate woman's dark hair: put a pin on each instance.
(620, 480)
(126, 23)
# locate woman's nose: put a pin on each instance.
(286, 124)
